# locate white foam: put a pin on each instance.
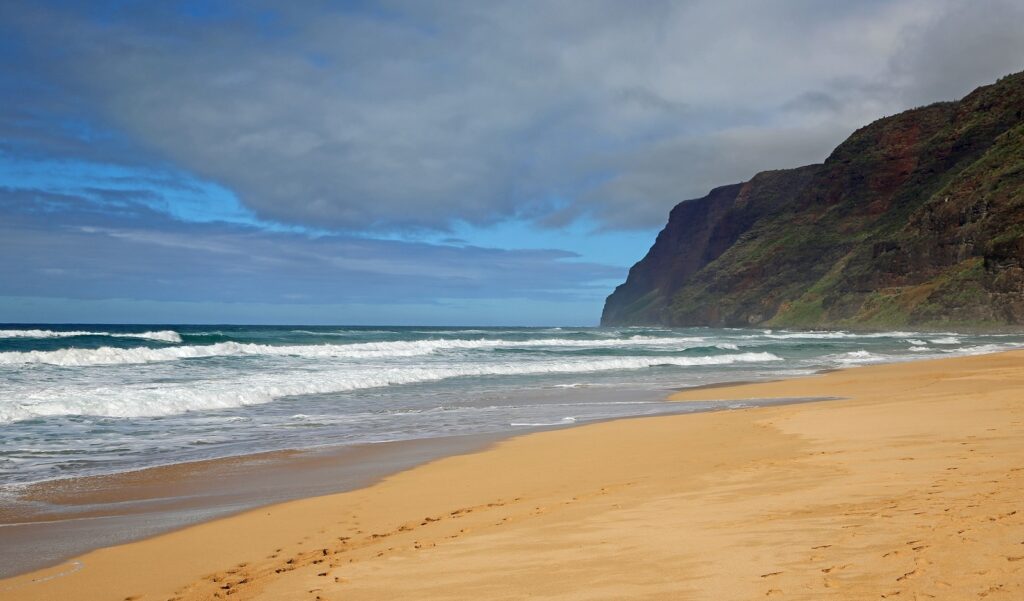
(150, 399)
(121, 356)
(828, 335)
(561, 422)
(946, 340)
(366, 350)
(169, 336)
(985, 349)
(855, 357)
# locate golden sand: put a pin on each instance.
(912, 487)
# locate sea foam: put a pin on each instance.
(828, 335)
(146, 400)
(79, 357)
(169, 336)
(855, 357)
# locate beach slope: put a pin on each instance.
(909, 487)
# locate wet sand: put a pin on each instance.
(58, 519)
(911, 487)
(55, 520)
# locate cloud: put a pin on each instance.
(689, 166)
(418, 114)
(71, 247)
(968, 45)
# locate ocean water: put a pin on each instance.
(90, 399)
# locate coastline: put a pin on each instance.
(634, 493)
(54, 520)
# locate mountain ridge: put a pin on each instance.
(916, 219)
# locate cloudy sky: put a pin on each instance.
(458, 162)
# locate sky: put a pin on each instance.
(416, 163)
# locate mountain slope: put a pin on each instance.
(916, 219)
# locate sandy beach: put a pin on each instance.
(909, 487)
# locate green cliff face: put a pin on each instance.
(916, 219)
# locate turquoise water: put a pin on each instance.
(90, 399)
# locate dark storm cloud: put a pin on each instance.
(413, 114)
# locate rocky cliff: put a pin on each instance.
(916, 219)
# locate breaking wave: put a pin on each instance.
(146, 400)
(827, 335)
(78, 357)
(169, 336)
(857, 357)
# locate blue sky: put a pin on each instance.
(418, 162)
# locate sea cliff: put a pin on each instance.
(915, 220)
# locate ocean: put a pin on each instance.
(84, 399)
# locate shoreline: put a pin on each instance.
(327, 448)
(53, 516)
(655, 460)
(55, 520)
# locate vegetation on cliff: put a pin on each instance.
(916, 219)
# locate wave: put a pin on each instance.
(561, 422)
(985, 349)
(169, 336)
(828, 335)
(335, 332)
(856, 357)
(77, 357)
(148, 400)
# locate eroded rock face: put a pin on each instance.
(916, 219)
